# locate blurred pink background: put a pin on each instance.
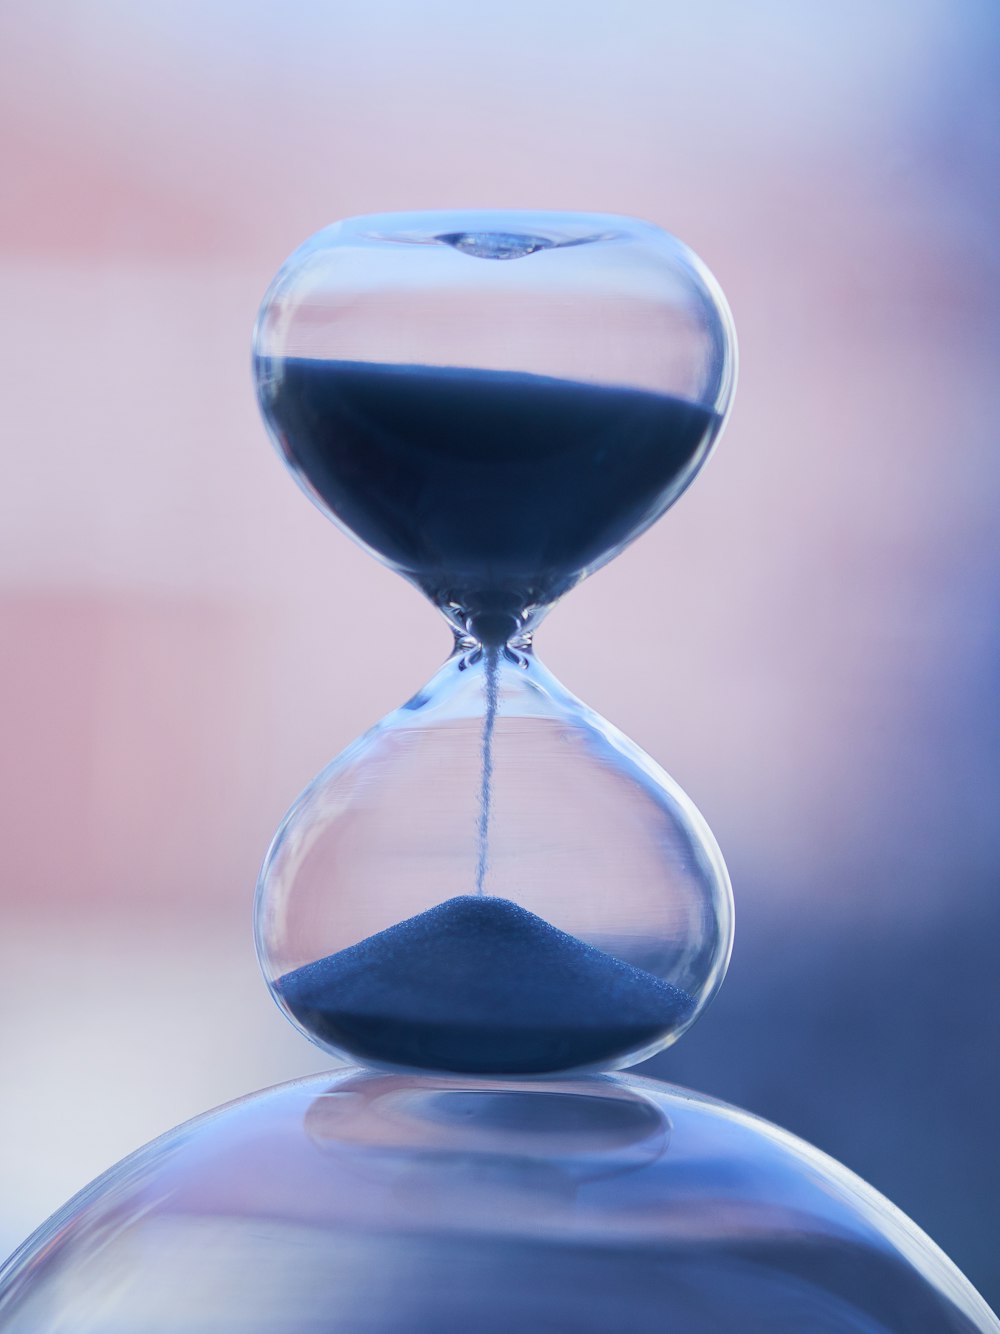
(186, 640)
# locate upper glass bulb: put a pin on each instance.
(494, 403)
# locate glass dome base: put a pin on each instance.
(369, 1202)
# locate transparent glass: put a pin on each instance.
(494, 403)
(377, 1203)
(585, 910)
(493, 880)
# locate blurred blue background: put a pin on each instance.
(809, 642)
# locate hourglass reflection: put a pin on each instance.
(493, 879)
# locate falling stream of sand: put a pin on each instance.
(491, 655)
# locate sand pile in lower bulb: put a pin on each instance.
(480, 985)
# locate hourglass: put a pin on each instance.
(493, 879)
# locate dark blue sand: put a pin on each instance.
(479, 985)
(492, 489)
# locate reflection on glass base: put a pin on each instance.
(371, 1204)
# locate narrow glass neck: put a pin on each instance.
(471, 647)
(493, 626)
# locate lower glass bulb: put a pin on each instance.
(493, 880)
